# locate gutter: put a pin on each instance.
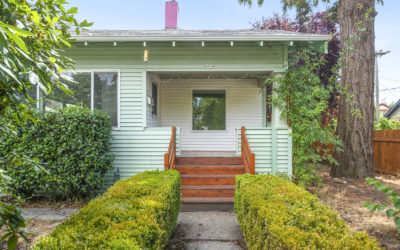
(86, 38)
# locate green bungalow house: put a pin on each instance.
(206, 83)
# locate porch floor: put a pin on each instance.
(185, 153)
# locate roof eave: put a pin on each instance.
(392, 110)
(196, 39)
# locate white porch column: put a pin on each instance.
(276, 117)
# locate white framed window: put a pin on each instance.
(209, 110)
(95, 89)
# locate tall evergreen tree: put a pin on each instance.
(356, 20)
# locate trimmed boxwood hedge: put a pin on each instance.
(136, 213)
(274, 213)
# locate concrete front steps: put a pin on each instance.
(208, 183)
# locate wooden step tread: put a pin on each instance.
(210, 169)
(209, 166)
(207, 187)
(207, 176)
(207, 200)
(208, 160)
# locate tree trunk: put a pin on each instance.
(356, 131)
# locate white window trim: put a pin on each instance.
(92, 71)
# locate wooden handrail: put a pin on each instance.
(170, 156)
(248, 158)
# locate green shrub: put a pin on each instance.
(72, 146)
(387, 124)
(392, 195)
(137, 213)
(274, 213)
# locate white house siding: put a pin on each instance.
(243, 108)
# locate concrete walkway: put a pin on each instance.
(195, 230)
(207, 230)
(47, 213)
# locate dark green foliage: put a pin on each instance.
(72, 146)
(32, 37)
(274, 213)
(392, 196)
(11, 220)
(308, 99)
(137, 213)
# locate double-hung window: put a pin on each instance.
(93, 89)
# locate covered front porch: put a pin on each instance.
(209, 109)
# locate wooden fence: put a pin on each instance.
(387, 151)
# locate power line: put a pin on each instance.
(389, 89)
(391, 92)
(394, 80)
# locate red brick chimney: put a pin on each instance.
(171, 15)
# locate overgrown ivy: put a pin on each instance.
(303, 100)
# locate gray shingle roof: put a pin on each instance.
(196, 35)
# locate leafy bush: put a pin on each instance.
(137, 213)
(72, 146)
(274, 213)
(306, 175)
(387, 124)
(11, 220)
(298, 92)
(392, 196)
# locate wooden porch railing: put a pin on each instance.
(170, 156)
(248, 158)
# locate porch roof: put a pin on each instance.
(195, 35)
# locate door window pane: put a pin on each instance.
(105, 94)
(81, 86)
(209, 109)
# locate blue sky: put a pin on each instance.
(228, 14)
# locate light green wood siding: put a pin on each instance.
(138, 151)
(272, 147)
(138, 148)
(244, 56)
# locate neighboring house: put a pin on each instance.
(207, 83)
(383, 109)
(394, 112)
